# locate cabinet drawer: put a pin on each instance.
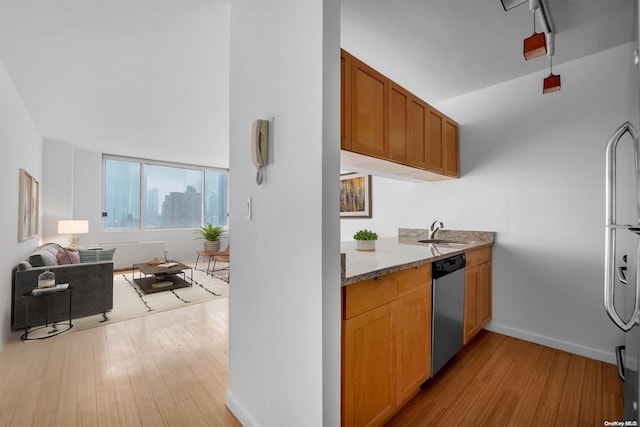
(368, 294)
(413, 278)
(478, 256)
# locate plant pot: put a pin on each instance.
(212, 246)
(366, 245)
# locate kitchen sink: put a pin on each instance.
(442, 242)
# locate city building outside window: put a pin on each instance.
(155, 195)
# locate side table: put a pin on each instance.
(47, 296)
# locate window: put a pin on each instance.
(155, 195)
(122, 185)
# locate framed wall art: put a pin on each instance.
(355, 195)
(28, 206)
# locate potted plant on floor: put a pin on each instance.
(211, 235)
(365, 240)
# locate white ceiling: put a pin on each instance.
(124, 75)
(440, 49)
(144, 78)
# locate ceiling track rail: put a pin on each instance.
(539, 7)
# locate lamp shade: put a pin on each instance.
(535, 46)
(73, 226)
(551, 83)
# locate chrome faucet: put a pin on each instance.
(434, 227)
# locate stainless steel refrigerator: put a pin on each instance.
(622, 256)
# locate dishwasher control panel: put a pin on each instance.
(448, 265)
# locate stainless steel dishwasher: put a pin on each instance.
(448, 306)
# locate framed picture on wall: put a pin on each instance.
(28, 206)
(35, 208)
(355, 195)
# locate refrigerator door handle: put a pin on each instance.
(620, 361)
(611, 226)
(622, 275)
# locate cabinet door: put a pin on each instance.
(418, 121)
(451, 152)
(470, 303)
(398, 123)
(435, 138)
(345, 100)
(484, 294)
(412, 317)
(477, 299)
(369, 389)
(369, 110)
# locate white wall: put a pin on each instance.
(21, 147)
(331, 289)
(286, 257)
(533, 171)
(57, 201)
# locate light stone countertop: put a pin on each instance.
(398, 253)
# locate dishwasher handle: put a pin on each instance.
(446, 266)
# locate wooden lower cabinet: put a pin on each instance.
(477, 293)
(369, 392)
(386, 350)
(386, 336)
(413, 341)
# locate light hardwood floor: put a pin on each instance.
(502, 381)
(171, 369)
(165, 369)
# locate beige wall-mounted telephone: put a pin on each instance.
(260, 143)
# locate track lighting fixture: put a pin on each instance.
(510, 4)
(536, 44)
(539, 44)
(551, 83)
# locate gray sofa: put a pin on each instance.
(92, 284)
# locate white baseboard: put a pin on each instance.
(239, 411)
(571, 347)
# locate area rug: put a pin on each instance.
(130, 302)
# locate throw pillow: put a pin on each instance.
(65, 256)
(95, 255)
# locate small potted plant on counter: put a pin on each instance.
(365, 240)
(211, 235)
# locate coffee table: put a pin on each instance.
(156, 278)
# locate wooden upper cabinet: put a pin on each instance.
(451, 151)
(369, 110)
(381, 119)
(418, 131)
(345, 100)
(435, 138)
(399, 100)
